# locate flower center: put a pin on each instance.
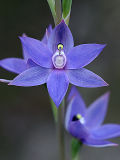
(79, 117)
(59, 58)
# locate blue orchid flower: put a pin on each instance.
(18, 65)
(85, 124)
(59, 63)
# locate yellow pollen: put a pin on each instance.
(60, 46)
(79, 116)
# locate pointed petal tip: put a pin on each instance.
(50, 26)
(73, 92)
(63, 21)
(24, 35)
(103, 84)
(113, 145)
(107, 94)
(57, 104)
(74, 88)
(5, 81)
(10, 84)
(109, 145)
(104, 45)
(116, 145)
(21, 37)
(100, 143)
(106, 84)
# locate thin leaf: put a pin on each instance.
(66, 6)
(52, 8)
(58, 11)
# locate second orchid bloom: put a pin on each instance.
(85, 124)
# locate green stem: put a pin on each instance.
(58, 11)
(75, 148)
(54, 110)
(77, 157)
(60, 131)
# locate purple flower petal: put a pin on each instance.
(47, 34)
(15, 65)
(30, 63)
(107, 131)
(57, 85)
(97, 111)
(98, 143)
(49, 29)
(61, 34)
(31, 77)
(82, 55)
(24, 51)
(74, 92)
(76, 106)
(37, 51)
(77, 130)
(85, 78)
(5, 80)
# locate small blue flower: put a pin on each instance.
(59, 63)
(85, 124)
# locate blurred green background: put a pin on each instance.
(27, 130)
